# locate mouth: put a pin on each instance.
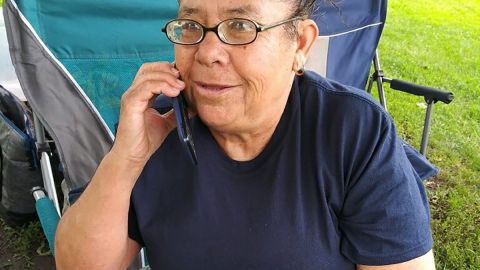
(212, 87)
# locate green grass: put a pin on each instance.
(436, 43)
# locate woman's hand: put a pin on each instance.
(142, 129)
(93, 233)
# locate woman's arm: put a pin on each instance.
(425, 262)
(93, 233)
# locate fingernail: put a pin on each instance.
(174, 70)
(180, 82)
(176, 91)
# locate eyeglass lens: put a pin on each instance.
(184, 32)
(234, 31)
(238, 31)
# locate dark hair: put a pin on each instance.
(302, 8)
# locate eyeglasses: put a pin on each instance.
(232, 31)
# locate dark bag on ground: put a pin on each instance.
(20, 171)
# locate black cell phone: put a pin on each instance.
(164, 104)
(183, 126)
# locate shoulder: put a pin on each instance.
(336, 106)
(343, 125)
(313, 86)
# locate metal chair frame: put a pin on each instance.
(431, 96)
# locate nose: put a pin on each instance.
(212, 51)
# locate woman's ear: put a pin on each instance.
(307, 35)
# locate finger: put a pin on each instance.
(159, 76)
(158, 87)
(139, 98)
(152, 67)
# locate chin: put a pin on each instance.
(216, 117)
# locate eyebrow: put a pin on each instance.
(242, 11)
(188, 11)
(247, 10)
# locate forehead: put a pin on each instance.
(254, 9)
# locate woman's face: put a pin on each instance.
(237, 88)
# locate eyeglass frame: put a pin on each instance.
(258, 29)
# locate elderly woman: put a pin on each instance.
(294, 171)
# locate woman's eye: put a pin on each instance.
(240, 26)
(190, 26)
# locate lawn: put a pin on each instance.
(436, 43)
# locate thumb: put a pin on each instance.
(170, 119)
(166, 120)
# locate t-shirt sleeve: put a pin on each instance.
(133, 229)
(385, 216)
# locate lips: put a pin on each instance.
(212, 87)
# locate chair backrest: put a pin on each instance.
(76, 58)
(349, 35)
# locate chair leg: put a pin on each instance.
(426, 127)
(378, 77)
(44, 149)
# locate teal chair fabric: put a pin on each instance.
(102, 47)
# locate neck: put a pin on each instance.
(244, 146)
(248, 144)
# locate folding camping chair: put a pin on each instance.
(75, 58)
(349, 35)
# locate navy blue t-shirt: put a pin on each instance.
(332, 188)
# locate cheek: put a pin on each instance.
(262, 74)
(266, 67)
(254, 82)
(184, 62)
(184, 58)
